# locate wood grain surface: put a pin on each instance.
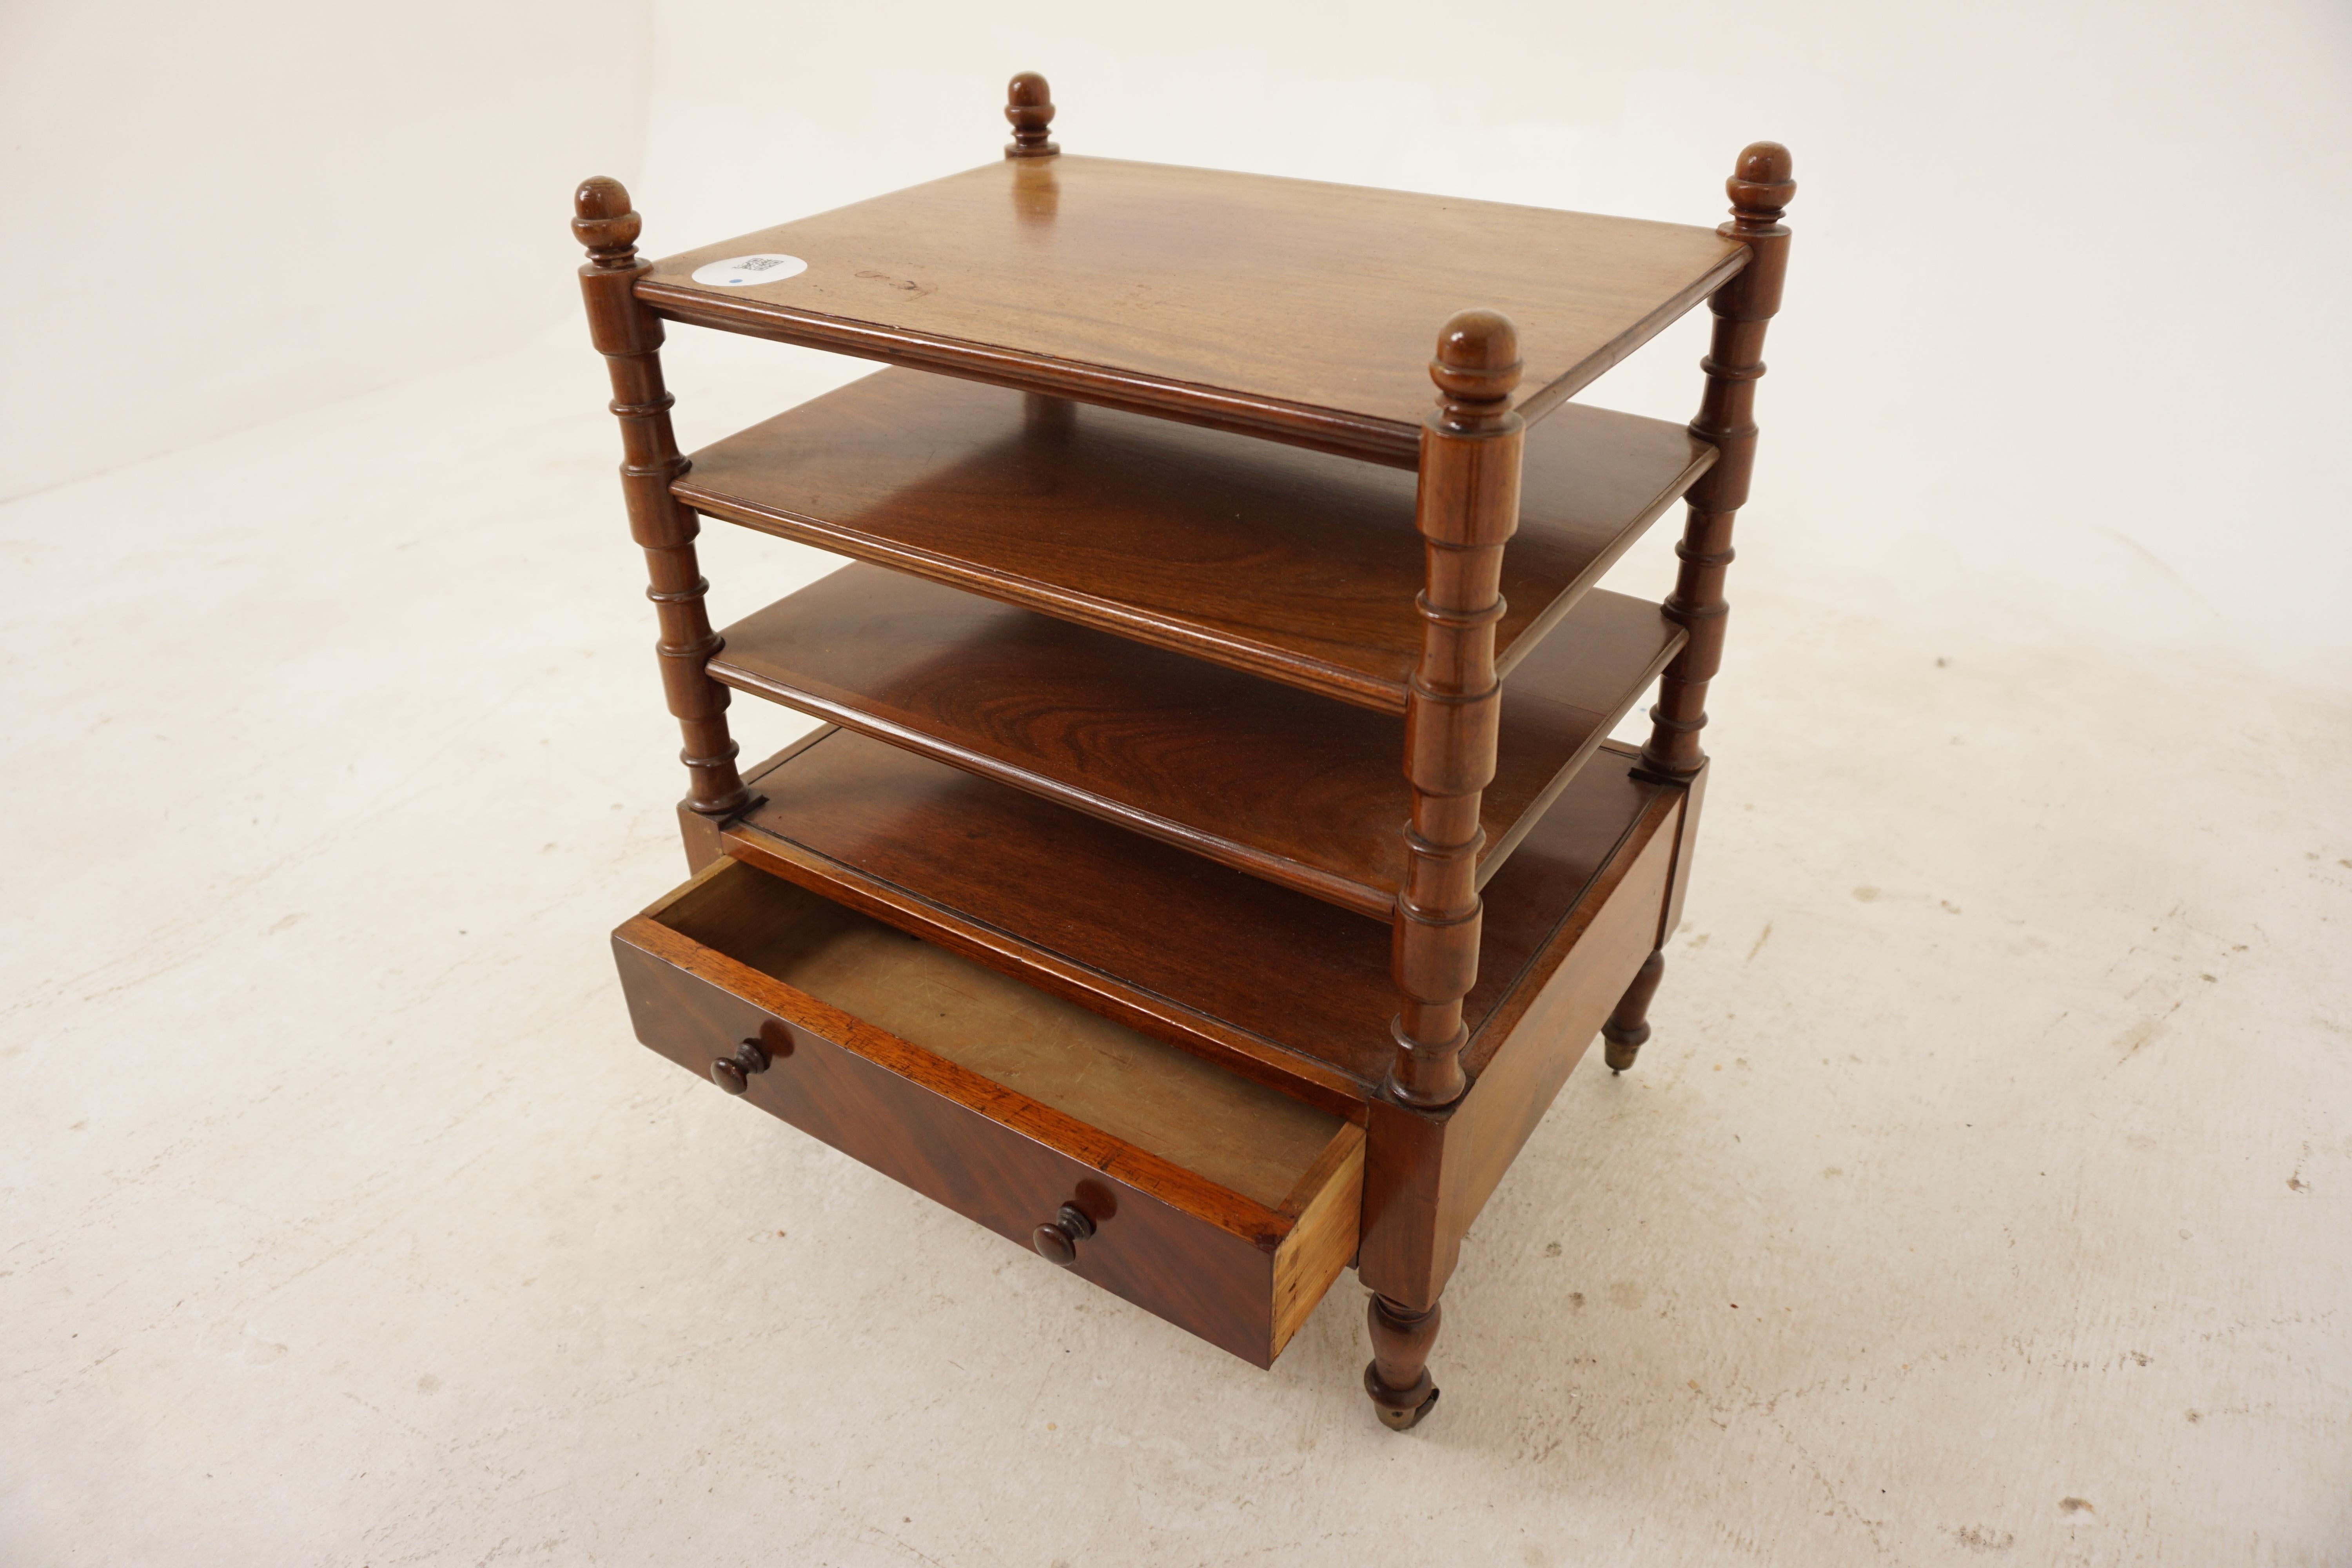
(1165, 1236)
(1761, 187)
(1283, 308)
(1278, 985)
(1295, 565)
(1168, 1102)
(1432, 1173)
(1297, 789)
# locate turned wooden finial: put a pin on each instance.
(1761, 184)
(1476, 368)
(604, 222)
(1029, 105)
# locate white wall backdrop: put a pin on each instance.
(2064, 300)
(2065, 297)
(220, 214)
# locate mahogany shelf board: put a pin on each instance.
(1295, 565)
(1282, 988)
(1288, 309)
(1286, 785)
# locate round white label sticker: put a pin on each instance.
(738, 271)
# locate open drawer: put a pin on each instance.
(1216, 1203)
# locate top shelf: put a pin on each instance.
(1284, 308)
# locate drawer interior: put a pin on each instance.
(1242, 1136)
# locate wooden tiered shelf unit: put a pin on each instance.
(1212, 860)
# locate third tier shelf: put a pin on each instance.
(1291, 564)
(1289, 786)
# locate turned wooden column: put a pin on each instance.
(1759, 190)
(1029, 105)
(629, 336)
(1467, 507)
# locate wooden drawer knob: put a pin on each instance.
(733, 1073)
(1058, 1239)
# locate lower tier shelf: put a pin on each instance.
(1286, 786)
(1282, 988)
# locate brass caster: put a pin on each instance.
(1623, 1044)
(1400, 1410)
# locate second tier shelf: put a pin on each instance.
(1291, 787)
(1291, 564)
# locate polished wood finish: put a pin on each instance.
(1029, 107)
(706, 838)
(1273, 984)
(1284, 308)
(1297, 789)
(630, 337)
(1276, 985)
(1056, 1240)
(1432, 1171)
(1240, 1134)
(1397, 1377)
(1685, 846)
(1759, 190)
(1194, 1182)
(1467, 509)
(1628, 1028)
(1294, 565)
(1153, 1039)
(1580, 964)
(732, 1073)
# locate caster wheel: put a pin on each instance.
(1400, 1411)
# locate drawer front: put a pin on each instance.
(1167, 1240)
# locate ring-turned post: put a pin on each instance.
(1760, 188)
(629, 336)
(1466, 508)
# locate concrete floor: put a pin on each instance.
(1985, 1196)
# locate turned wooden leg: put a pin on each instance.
(1397, 1377)
(1629, 1026)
